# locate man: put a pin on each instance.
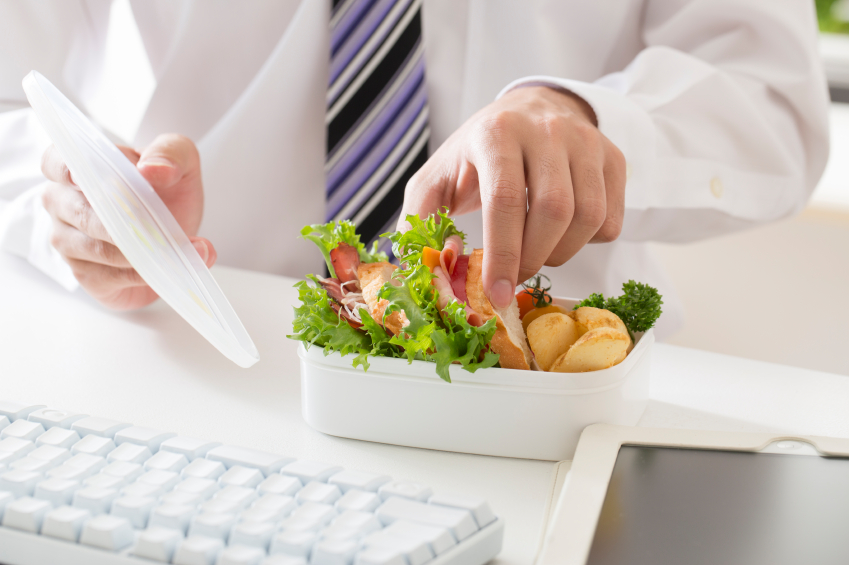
(617, 123)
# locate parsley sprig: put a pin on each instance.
(639, 307)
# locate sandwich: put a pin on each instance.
(430, 306)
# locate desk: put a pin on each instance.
(151, 368)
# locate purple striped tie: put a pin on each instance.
(377, 115)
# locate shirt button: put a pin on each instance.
(716, 187)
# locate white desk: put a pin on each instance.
(151, 368)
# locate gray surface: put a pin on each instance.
(686, 506)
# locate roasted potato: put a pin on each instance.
(550, 336)
(592, 318)
(599, 348)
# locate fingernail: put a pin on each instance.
(501, 293)
(202, 250)
(155, 162)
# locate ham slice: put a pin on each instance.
(372, 278)
(345, 299)
(446, 296)
(451, 250)
(458, 278)
(345, 259)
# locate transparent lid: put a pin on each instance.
(139, 222)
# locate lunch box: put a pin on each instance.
(501, 412)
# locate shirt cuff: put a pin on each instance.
(622, 121)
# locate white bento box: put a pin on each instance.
(502, 412)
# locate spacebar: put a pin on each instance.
(23, 548)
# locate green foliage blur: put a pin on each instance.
(826, 19)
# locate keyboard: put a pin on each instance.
(78, 489)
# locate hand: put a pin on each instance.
(172, 166)
(538, 138)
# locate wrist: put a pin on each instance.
(575, 103)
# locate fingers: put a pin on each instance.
(54, 168)
(615, 177)
(500, 168)
(550, 198)
(74, 244)
(119, 289)
(71, 207)
(167, 160)
(205, 249)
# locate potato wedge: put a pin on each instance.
(592, 318)
(550, 336)
(597, 349)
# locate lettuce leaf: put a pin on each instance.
(463, 343)
(328, 236)
(407, 246)
(415, 296)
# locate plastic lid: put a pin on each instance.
(139, 222)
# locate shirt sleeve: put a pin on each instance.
(64, 41)
(722, 117)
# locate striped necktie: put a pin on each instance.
(377, 114)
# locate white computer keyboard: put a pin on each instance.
(76, 489)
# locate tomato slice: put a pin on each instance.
(537, 312)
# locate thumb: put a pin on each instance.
(205, 249)
(167, 160)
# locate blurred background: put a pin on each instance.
(779, 293)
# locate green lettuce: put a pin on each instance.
(328, 236)
(407, 246)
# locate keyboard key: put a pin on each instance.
(298, 544)
(136, 509)
(22, 429)
(351, 525)
(127, 471)
(212, 525)
(166, 480)
(479, 508)
(308, 471)
(65, 523)
(166, 461)
(17, 411)
(146, 437)
(189, 447)
(157, 544)
(312, 516)
(269, 508)
(203, 469)
(53, 454)
(107, 532)
(283, 559)
(356, 499)
(240, 555)
(239, 476)
(254, 534)
(333, 552)
(4, 421)
(58, 437)
(242, 496)
(26, 514)
(129, 453)
(95, 499)
(78, 467)
(180, 497)
(347, 480)
(13, 448)
(197, 550)
(173, 516)
(98, 426)
(440, 540)
(380, 556)
(318, 492)
(94, 445)
(221, 506)
(29, 464)
(57, 492)
(203, 488)
(280, 484)
(267, 463)
(49, 418)
(459, 522)
(5, 498)
(103, 480)
(19, 483)
(413, 491)
(416, 551)
(143, 490)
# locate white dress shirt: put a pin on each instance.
(720, 108)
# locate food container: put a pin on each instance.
(502, 412)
